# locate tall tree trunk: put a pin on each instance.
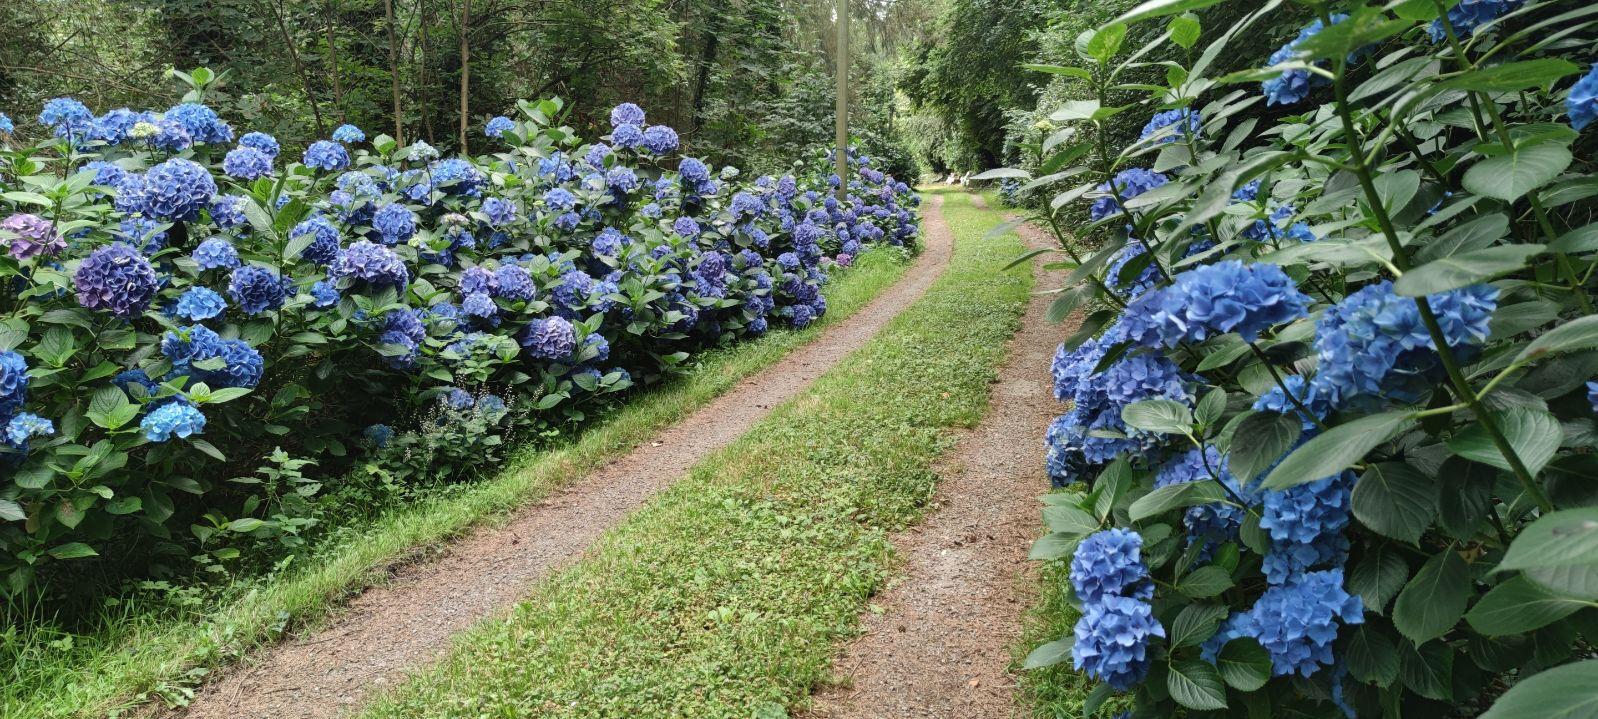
(332, 61)
(466, 68)
(299, 67)
(707, 63)
(423, 88)
(394, 71)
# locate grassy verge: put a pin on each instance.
(725, 596)
(1056, 691)
(141, 652)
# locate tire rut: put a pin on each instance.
(940, 645)
(406, 624)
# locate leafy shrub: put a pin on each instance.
(1332, 402)
(187, 305)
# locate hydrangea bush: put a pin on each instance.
(1331, 403)
(190, 307)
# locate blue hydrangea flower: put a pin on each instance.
(326, 156)
(348, 134)
(596, 155)
(560, 198)
(1468, 15)
(686, 227)
(117, 279)
(551, 338)
(127, 379)
(256, 290)
(627, 137)
(1185, 121)
(1293, 85)
(1112, 640)
(176, 418)
(1212, 300)
(246, 163)
(1592, 395)
(13, 382)
(324, 246)
(26, 426)
(1297, 623)
(621, 179)
(608, 243)
(1131, 183)
(177, 190)
(324, 294)
(6, 125)
(227, 212)
(395, 223)
(65, 112)
(1308, 394)
(215, 253)
(379, 435)
(1236, 626)
(1109, 563)
(200, 122)
(243, 366)
(1131, 287)
(514, 283)
(200, 303)
(499, 212)
(1306, 524)
(1582, 104)
(262, 142)
(1373, 342)
(659, 139)
(1210, 524)
(626, 114)
(499, 125)
(457, 176)
(368, 262)
(479, 304)
(105, 173)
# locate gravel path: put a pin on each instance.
(941, 646)
(407, 623)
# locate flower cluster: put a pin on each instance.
(1127, 184)
(1211, 300)
(1294, 85)
(1375, 343)
(1117, 620)
(1183, 123)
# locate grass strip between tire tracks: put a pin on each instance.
(151, 652)
(726, 595)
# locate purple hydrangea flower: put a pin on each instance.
(247, 163)
(117, 279)
(551, 338)
(177, 190)
(256, 290)
(30, 236)
(368, 262)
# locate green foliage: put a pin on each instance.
(1445, 483)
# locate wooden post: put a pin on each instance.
(842, 108)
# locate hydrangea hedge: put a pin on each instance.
(1331, 397)
(195, 317)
